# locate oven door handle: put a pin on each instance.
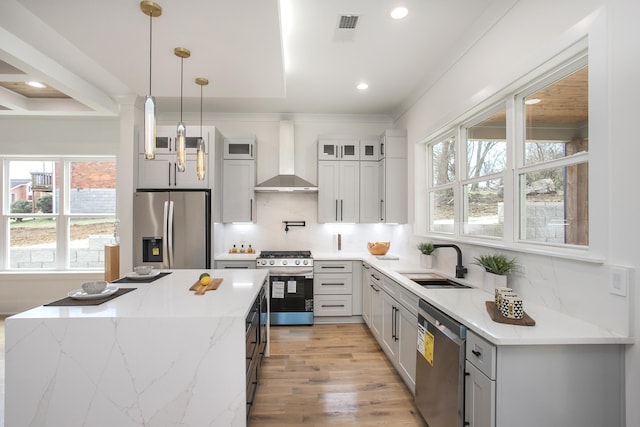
(292, 273)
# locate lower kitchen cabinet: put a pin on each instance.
(542, 385)
(235, 264)
(256, 342)
(366, 294)
(393, 321)
(336, 288)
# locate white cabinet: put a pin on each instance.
(375, 283)
(370, 149)
(162, 171)
(393, 190)
(238, 197)
(366, 294)
(235, 264)
(479, 400)
(523, 384)
(239, 148)
(393, 321)
(370, 202)
(338, 188)
(393, 144)
(333, 288)
(338, 148)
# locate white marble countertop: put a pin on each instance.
(468, 307)
(226, 256)
(170, 297)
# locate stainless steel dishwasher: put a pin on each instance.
(440, 367)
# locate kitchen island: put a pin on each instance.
(156, 356)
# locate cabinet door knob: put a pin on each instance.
(476, 353)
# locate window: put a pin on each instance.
(483, 188)
(441, 194)
(530, 150)
(553, 174)
(58, 213)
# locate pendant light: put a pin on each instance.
(152, 10)
(181, 137)
(201, 149)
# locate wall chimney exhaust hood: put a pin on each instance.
(286, 181)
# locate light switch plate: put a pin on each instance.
(619, 281)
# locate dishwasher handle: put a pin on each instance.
(441, 320)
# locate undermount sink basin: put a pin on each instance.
(440, 284)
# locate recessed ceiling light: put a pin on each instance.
(531, 101)
(362, 86)
(36, 84)
(399, 12)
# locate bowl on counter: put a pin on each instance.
(143, 270)
(95, 287)
(378, 248)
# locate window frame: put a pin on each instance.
(63, 217)
(558, 67)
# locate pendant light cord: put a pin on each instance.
(200, 111)
(181, 85)
(150, 42)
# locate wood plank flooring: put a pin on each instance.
(324, 375)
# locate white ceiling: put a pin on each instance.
(270, 56)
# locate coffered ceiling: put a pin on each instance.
(286, 56)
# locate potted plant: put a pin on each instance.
(426, 259)
(496, 267)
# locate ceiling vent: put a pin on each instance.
(348, 22)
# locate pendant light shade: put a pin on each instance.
(152, 10)
(181, 136)
(201, 148)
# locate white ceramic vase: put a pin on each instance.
(492, 281)
(426, 261)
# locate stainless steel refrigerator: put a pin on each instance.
(172, 229)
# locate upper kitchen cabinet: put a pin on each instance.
(393, 190)
(242, 148)
(162, 171)
(393, 144)
(338, 189)
(370, 148)
(337, 148)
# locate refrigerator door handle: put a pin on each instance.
(170, 234)
(165, 234)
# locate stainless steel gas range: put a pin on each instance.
(290, 286)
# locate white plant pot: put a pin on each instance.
(426, 261)
(492, 281)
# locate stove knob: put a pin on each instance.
(297, 262)
(271, 262)
(284, 262)
(305, 262)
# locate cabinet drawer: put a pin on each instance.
(235, 264)
(390, 287)
(333, 266)
(409, 300)
(332, 305)
(482, 354)
(329, 284)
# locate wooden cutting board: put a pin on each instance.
(201, 289)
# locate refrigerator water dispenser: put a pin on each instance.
(152, 249)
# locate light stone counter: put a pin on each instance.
(468, 307)
(156, 356)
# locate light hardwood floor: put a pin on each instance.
(320, 375)
(330, 375)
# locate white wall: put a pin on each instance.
(530, 34)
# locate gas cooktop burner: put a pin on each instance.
(284, 254)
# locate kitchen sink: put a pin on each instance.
(440, 284)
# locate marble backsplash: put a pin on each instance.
(577, 288)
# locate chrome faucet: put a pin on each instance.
(460, 269)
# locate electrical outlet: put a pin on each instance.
(519, 270)
(618, 281)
